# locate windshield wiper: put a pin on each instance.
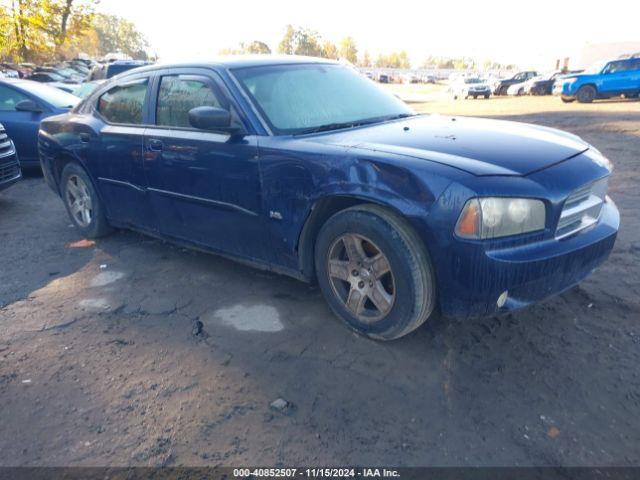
(357, 123)
(331, 126)
(399, 116)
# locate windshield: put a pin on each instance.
(51, 95)
(472, 80)
(299, 98)
(55, 77)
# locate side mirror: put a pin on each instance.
(212, 118)
(28, 106)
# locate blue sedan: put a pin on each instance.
(306, 167)
(23, 104)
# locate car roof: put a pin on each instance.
(243, 61)
(15, 81)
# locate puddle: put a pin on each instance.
(105, 278)
(255, 318)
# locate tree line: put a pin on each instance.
(46, 30)
(304, 41)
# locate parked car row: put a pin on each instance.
(538, 85)
(606, 79)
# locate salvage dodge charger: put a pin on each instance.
(306, 167)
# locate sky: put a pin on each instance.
(528, 33)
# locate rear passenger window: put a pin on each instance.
(179, 94)
(124, 103)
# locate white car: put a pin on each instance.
(518, 89)
(465, 87)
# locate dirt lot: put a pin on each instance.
(99, 364)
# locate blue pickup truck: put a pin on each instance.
(604, 80)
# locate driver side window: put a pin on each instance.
(615, 67)
(180, 93)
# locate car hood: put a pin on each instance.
(478, 146)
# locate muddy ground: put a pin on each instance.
(99, 364)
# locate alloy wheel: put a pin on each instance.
(361, 277)
(79, 200)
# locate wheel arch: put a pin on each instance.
(64, 158)
(323, 209)
(588, 84)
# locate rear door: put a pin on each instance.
(115, 153)
(204, 186)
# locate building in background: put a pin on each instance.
(592, 53)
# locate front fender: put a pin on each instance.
(295, 183)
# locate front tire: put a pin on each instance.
(82, 202)
(375, 272)
(586, 94)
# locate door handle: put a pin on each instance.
(85, 137)
(155, 145)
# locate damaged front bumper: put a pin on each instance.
(484, 281)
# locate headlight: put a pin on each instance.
(569, 81)
(493, 217)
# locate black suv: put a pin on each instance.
(501, 86)
(9, 165)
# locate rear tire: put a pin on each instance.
(82, 202)
(375, 272)
(586, 94)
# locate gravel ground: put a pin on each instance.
(100, 362)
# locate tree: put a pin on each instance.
(300, 41)
(329, 50)
(115, 34)
(257, 47)
(366, 60)
(394, 60)
(348, 49)
(40, 30)
(286, 44)
(457, 63)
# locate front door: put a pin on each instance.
(204, 186)
(617, 78)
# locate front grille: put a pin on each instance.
(9, 171)
(582, 208)
(5, 142)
